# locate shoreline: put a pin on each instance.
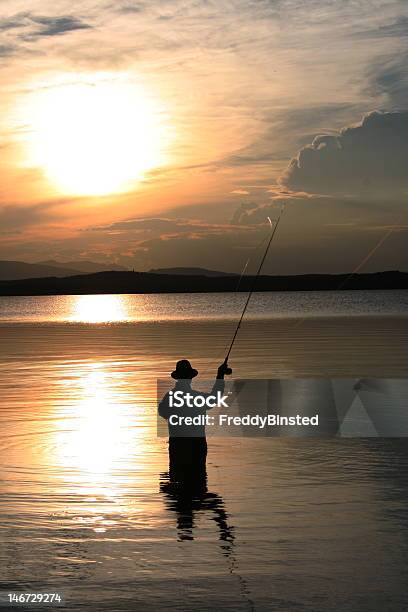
(134, 283)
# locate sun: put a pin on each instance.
(97, 135)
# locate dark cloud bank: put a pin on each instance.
(366, 159)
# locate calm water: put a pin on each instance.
(292, 525)
(215, 306)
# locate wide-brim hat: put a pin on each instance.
(184, 370)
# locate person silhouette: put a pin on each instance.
(188, 445)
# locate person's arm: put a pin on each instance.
(219, 384)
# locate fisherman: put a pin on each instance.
(188, 444)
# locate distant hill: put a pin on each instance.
(145, 282)
(84, 266)
(16, 270)
(191, 272)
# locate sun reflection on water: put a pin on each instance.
(97, 447)
(102, 434)
(101, 438)
(99, 309)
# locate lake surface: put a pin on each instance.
(288, 524)
(199, 306)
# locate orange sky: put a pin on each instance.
(183, 113)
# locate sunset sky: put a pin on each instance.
(164, 132)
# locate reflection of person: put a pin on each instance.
(188, 446)
(186, 500)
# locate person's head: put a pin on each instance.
(184, 371)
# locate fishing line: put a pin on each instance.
(365, 259)
(249, 258)
(362, 263)
(368, 256)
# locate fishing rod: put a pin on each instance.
(229, 371)
(256, 249)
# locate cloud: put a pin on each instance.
(143, 243)
(55, 26)
(128, 7)
(254, 214)
(6, 50)
(152, 223)
(10, 23)
(397, 28)
(33, 27)
(390, 79)
(227, 250)
(160, 227)
(311, 226)
(244, 211)
(15, 218)
(285, 130)
(307, 242)
(369, 158)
